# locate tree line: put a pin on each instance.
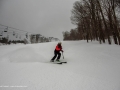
(5, 41)
(95, 20)
(37, 38)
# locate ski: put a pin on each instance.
(56, 62)
(63, 62)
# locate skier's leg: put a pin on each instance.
(55, 55)
(59, 55)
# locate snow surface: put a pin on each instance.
(90, 66)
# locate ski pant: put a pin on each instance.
(55, 55)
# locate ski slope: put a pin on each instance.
(90, 66)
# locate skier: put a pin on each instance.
(57, 52)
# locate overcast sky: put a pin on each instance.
(47, 17)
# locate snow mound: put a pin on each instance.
(25, 54)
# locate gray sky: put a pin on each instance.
(47, 17)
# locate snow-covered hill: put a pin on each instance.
(90, 66)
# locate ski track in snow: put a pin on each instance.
(90, 66)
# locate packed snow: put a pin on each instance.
(90, 66)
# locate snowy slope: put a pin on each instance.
(90, 66)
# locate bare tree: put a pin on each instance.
(95, 20)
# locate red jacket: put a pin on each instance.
(58, 48)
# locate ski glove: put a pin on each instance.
(62, 50)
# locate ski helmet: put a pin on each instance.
(59, 43)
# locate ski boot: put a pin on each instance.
(57, 60)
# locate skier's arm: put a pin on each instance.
(61, 49)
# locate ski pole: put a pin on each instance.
(62, 55)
